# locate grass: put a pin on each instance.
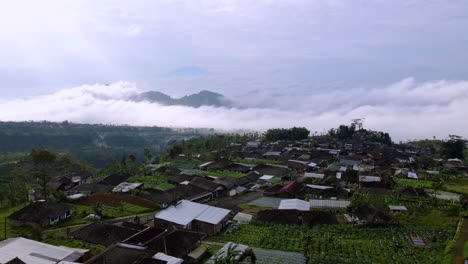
(413, 183)
(223, 174)
(149, 181)
(457, 185)
(12, 231)
(81, 211)
(465, 250)
(164, 186)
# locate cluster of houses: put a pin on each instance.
(308, 182)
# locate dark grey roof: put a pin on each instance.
(38, 212)
(103, 234)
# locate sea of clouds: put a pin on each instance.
(406, 109)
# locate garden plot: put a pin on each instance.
(342, 243)
(444, 195)
(265, 256)
(267, 202)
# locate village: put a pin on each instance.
(309, 200)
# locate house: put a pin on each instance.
(272, 155)
(214, 165)
(23, 250)
(242, 218)
(193, 216)
(178, 243)
(313, 218)
(126, 187)
(91, 188)
(315, 203)
(253, 144)
(115, 179)
(294, 204)
(397, 208)
(40, 214)
(370, 213)
(216, 189)
(239, 167)
(323, 192)
(172, 196)
(272, 169)
(299, 164)
(276, 216)
(229, 246)
(103, 234)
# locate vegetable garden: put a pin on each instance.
(345, 243)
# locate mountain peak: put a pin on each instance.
(202, 98)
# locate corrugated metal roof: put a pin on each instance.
(183, 213)
(370, 179)
(266, 177)
(314, 175)
(213, 215)
(168, 259)
(186, 211)
(329, 203)
(397, 208)
(31, 251)
(294, 204)
(320, 187)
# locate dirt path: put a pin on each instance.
(459, 258)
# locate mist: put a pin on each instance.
(406, 109)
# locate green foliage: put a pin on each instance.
(344, 243)
(454, 147)
(295, 133)
(345, 132)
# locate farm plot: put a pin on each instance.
(116, 200)
(339, 244)
(265, 256)
(413, 182)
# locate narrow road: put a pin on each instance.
(459, 245)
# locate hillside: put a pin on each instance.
(203, 98)
(96, 144)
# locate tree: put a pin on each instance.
(147, 154)
(454, 147)
(43, 178)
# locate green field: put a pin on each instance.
(413, 183)
(457, 185)
(157, 181)
(345, 243)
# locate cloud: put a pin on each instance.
(135, 30)
(407, 109)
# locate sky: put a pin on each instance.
(402, 65)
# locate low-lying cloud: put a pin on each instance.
(406, 109)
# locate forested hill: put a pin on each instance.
(97, 144)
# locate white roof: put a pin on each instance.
(295, 204)
(266, 177)
(329, 203)
(213, 215)
(222, 253)
(432, 172)
(75, 196)
(167, 258)
(206, 164)
(320, 187)
(314, 175)
(34, 252)
(242, 217)
(126, 186)
(397, 208)
(338, 175)
(412, 175)
(186, 211)
(370, 179)
(312, 164)
(343, 168)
